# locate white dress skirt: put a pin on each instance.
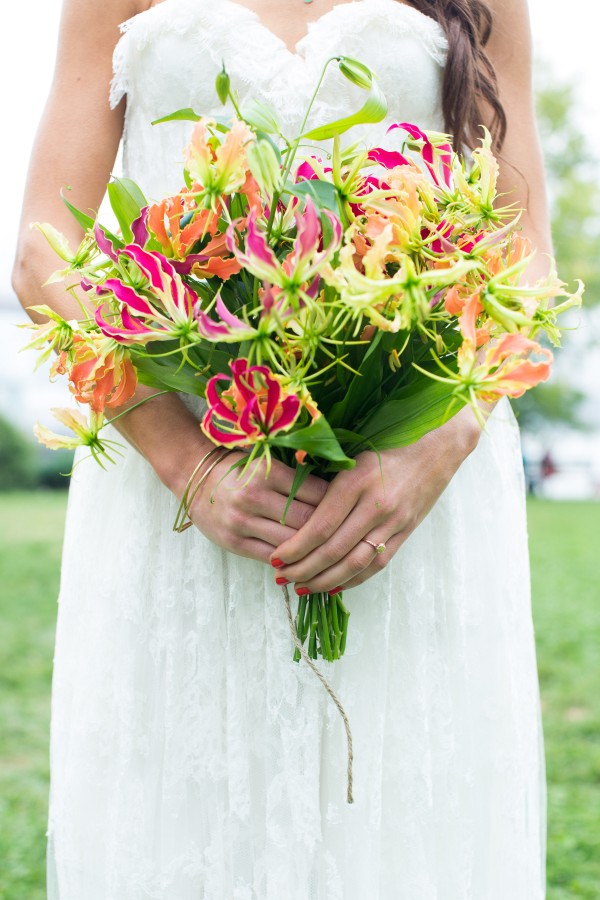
(191, 759)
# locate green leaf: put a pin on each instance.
(374, 110)
(126, 200)
(319, 440)
(363, 389)
(413, 412)
(324, 193)
(167, 373)
(86, 222)
(300, 476)
(180, 115)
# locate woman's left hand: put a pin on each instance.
(382, 499)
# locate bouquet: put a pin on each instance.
(322, 304)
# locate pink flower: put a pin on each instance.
(298, 275)
(229, 328)
(434, 149)
(163, 312)
(252, 409)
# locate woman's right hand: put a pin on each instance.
(244, 516)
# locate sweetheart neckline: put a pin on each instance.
(292, 51)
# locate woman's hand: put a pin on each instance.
(382, 499)
(245, 516)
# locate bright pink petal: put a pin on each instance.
(387, 158)
(104, 243)
(132, 324)
(218, 435)
(157, 269)
(208, 328)
(256, 244)
(139, 228)
(290, 409)
(118, 333)
(251, 420)
(273, 398)
(229, 318)
(309, 231)
(126, 294)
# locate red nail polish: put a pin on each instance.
(334, 591)
(277, 563)
(302, 592)
(281, 581)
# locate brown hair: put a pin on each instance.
(470, 89)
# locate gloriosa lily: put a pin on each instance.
(100, 371)
(220, 168)
(163, 312)
(190, 238)
(84, 434)
(254, 408)
(298, 275)
(54, 335)
(390, 302)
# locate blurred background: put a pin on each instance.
(560, 425)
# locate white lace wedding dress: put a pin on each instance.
(191, 758)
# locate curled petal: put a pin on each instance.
(127, 295)
(308, 231)
(389, 159)
(104, 244)
(139, 228)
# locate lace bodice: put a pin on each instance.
(168, 58)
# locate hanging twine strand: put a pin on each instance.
(300, 647)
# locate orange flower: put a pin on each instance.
(164, 220)
(100, 372)
(212, 258)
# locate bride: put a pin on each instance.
(190, 758)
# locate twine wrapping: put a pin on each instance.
(299, 646)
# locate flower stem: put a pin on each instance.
(293, 147)
(325, 642)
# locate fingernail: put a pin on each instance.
(281, 581)
(336, 590)
(277, 563)
(302, 592)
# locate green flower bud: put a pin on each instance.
(223, 84)
(260, 116)
(356, 72)
(265, 165)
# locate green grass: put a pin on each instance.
(565, 557)
(31, 533)
(566, 585)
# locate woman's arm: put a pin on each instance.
(385, 499)
(522, 177)
(76, 145)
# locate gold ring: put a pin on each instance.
(378, 548)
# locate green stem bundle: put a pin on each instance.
(322, 620)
